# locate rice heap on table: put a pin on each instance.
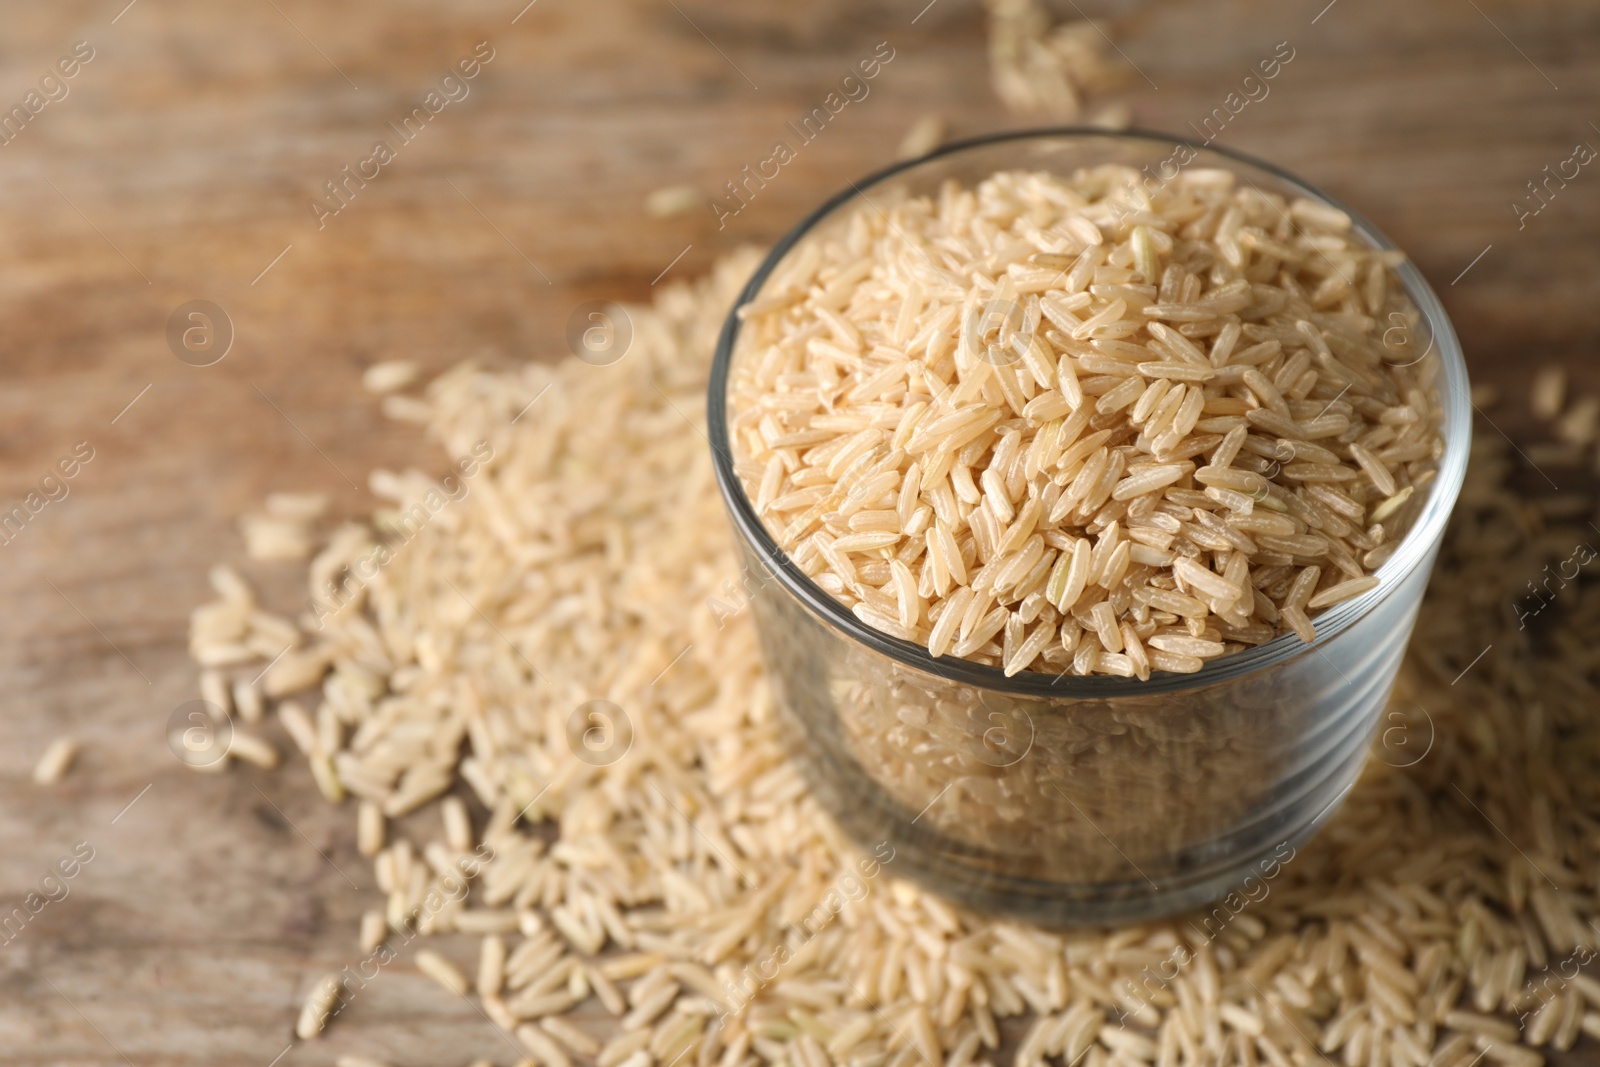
(657, 854)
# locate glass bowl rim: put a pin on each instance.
(1415, 547)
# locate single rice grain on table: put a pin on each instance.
(1198, 386)
(55, 761)
(672, 867)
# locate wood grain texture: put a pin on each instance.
(183, 162)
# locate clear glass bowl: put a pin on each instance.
(1083, 799)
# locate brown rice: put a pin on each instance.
(1070, 394)
(582, 565)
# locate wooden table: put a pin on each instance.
(181, 165)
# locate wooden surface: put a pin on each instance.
(182, 163)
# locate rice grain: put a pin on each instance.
(442, 971)
(55, 761)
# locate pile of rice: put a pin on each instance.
(656, 852)
(1042, 67)
(1079, 425)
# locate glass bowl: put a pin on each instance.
(1068, 799)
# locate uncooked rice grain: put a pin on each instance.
(1548, 393)
(318, 1004)
(1578, 425)
(247, 700)
(214, 690)
(251, 749)
(923, 136)
(1342, 592)
(442, 971)
(273, 538)
(542, 1047)
(371, 828)
(491, 966)
(672, 200)
(388, 376)
(297, 507)
(588, 556)
(56, 761)
(374, 930)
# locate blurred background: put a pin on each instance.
(160, 153)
